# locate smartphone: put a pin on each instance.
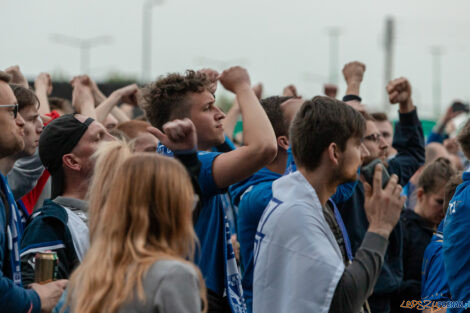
(368, 172)
(458, 106)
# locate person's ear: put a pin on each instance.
(71, 161)
(283, 142)
(420, 194)
(334, 153)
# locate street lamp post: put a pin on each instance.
(147, 38)
(84, 45)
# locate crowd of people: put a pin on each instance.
(320, 205)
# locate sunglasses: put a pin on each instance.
(14, 106)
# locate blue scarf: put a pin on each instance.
(14, 232)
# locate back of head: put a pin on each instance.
(435, 175)
(146, 217)
(108, 158)
(435, 150)
(61, 104)
(167, 98)
(450, 188)
(25, 97)
(320, 122)
(464, 139)
(132, 128)
(272, 107)
(380, 117)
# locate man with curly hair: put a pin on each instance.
(191, 96)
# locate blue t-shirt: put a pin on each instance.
(210, 225)
(434, 285)
(254, 195)
(456, 245)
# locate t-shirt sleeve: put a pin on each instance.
(206, 177)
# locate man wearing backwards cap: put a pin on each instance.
(65, 148)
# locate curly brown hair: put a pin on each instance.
(166, 99)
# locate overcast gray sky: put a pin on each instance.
(278, 41)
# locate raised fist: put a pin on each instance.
(16, 76)
(330, 90)
(177, 135)
(129, 94)
(399, 90)
(212, 76)
(235, 79)
(290, 91)
(354, 72)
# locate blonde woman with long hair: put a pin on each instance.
(137, 261)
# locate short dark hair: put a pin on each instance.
(435, 175)
(464, 139)
(272, 107)
(5, 77)
(25, 97)
(56, 103)
(380, 117)
(450, 188)
(320, 122)
(166, 98)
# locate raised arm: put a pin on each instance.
(408, 138)
(128, 94)
(43, 88)
(260, 146)
(16, 76)
(82, 97)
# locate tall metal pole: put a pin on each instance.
(333, 34)
(84, 45)
(436, 52)
(147, 38)
(388, 58)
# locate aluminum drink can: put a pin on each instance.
(46, 267)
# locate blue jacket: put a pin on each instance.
(409, 142)
(456, 244)
(47, 230)
(12, 297)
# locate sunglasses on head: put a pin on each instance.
(14, 106)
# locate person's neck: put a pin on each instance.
(6, 164)
(279, 164)
(77, 190)
(320, 180)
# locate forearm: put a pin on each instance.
(105, 107)
(41, 93)
(359, 278)
(353, 88)
(120, 115)
(258, 132)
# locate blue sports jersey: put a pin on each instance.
(434, 285)
(456, 245)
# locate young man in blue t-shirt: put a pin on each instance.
(192, 96)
